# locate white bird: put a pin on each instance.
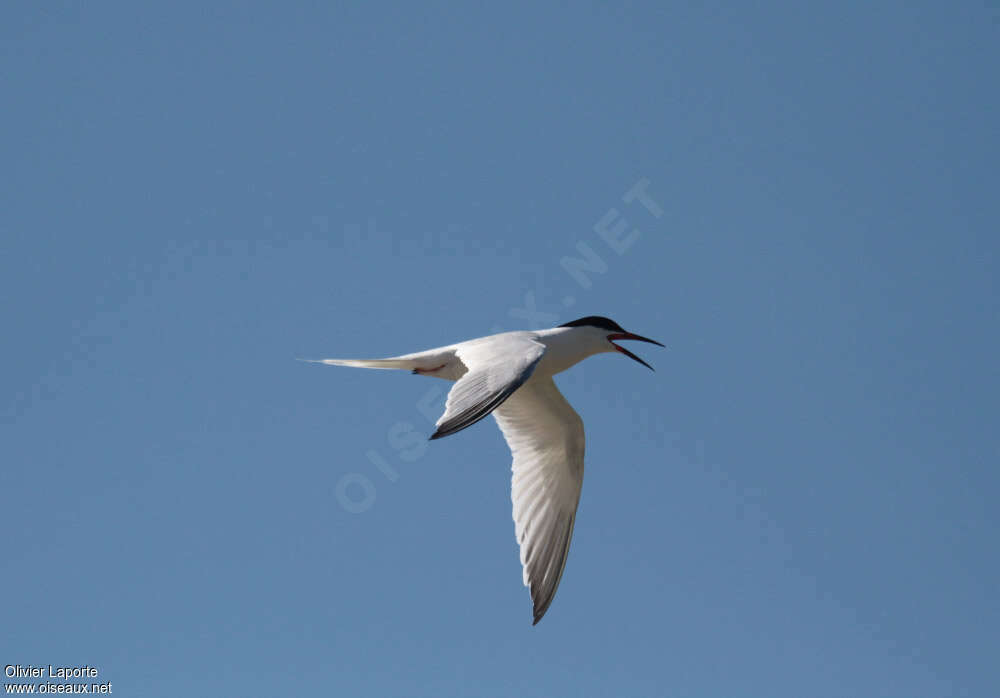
(510, 375)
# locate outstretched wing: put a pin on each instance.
(497, 366)
(546, 438)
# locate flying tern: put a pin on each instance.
(510, 376)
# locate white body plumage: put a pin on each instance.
(510, 376)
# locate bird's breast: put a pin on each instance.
(558, 356)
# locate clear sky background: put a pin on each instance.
(800, 501)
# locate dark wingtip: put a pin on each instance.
(538, 613)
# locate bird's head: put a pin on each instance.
(606, 330)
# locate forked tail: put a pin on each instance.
(369, 363)
(433, 359)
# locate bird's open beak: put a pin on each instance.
(626, 352)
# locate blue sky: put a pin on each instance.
(799, 501)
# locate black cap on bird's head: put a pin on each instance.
(615, 331)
